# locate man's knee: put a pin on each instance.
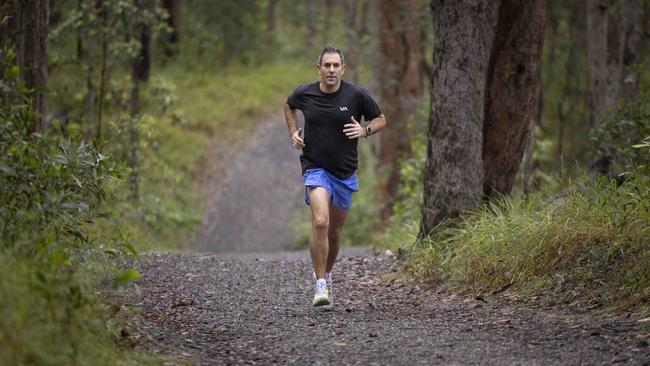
(320, 222)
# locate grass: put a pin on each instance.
(589, 246)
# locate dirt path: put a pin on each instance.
(213, 310)
(249, 203)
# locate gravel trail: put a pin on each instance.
(210, 309)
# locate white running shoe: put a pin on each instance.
(321, 296)
(330, 289)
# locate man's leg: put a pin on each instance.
(337, 219)
(319, 201)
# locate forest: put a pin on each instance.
(515, 156)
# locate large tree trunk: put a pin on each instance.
(511, 101)
(453, 176)
(401, 90)
(26, 32)
(605, 43)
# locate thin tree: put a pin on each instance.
(26, 32)
(632, 48)
(605, 44)
(174, 11)
(401, 90)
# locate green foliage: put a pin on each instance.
(49, 183)
(51, 187)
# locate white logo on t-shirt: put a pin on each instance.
(343, 108)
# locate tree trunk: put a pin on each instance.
(631, 49)
(311, 19)
(511, 101)
(80, 46)
(26, 31)
(134, 134)
(453, 175)
(605, 43)
(103, 14)
(143, 62)
(174, 10)
(351, 38)
(267, 48)
(36, 31)
(89, 13)
(401, 90)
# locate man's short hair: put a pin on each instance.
(330, 49)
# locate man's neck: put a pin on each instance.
(331, 90)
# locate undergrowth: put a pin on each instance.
(53, 269)
(584, 243)
(589, 245)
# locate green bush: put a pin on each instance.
(623, 127)
(51, 186)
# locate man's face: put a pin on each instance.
(331, 69)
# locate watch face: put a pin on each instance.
(368, 131)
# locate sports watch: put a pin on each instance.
(368, 131)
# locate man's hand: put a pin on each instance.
(354, 130)
(296, 140)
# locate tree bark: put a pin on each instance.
(453, 175)
(605, 43)
(90, 100)
(513, 76)
(270, 22)
(143, 62)
(103, 68)
(27, 30)
(401, 90)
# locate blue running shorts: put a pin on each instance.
(340, 190)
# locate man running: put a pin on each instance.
(332, 108)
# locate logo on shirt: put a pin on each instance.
(343, 108)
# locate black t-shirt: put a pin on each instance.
(326, 146)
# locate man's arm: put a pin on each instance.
(354, 130)
(292, 125)
(376, 124)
